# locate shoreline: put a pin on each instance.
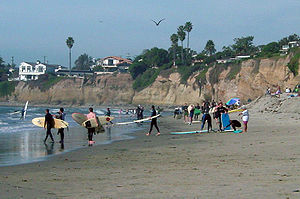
(259, 164)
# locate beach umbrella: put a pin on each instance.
(233, 101)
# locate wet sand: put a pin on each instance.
(263, 163)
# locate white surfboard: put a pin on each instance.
(147, 119)
(25, 110)
(137, 121)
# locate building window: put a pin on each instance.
(40, 69)
(110, 62)
(23, 68)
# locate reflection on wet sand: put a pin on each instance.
(28, 146)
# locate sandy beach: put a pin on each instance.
(263, 163)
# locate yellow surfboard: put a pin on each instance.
(235, 110)
(92, 123)
(39, 121)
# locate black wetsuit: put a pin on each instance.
(153, 121)
(108, 113)
(218, 114)
(60, 131)
(206, 117)
(49, 123)
(234, 124)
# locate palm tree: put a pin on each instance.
(174, 40)
(70, 42)
(210, 48)
(188, 28)
(181, 35)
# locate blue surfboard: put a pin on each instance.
(226, 121)
(188, 132)
(238, 131)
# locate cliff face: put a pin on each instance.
(247, 81)
(74, 91)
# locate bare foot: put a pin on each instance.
(148, 134)
(158, 134)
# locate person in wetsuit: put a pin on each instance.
(153, 122)
(108, 113)
(218, 114)
(206, 117)
(233, 124)
(61, 115)
(49, 122)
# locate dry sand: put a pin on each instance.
(263, 163)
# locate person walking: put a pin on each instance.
(61, 115)
(91, 131)
(153, 122)
(48, 124)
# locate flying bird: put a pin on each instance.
(157, 23)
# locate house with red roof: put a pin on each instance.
(114, 63)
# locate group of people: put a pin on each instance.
(192, 112)
(49, 123)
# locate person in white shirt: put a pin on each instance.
(245, 117)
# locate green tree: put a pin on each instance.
(155, 57)
(210, 48)
(70, 43)
(244, 45)
(188, 28)
(272, 47)
(137, 68)
(286, 40)
(174, 40)
(181, 35)
(227, 52)
(83, 62)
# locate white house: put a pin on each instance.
(113, 63)
(31, 71)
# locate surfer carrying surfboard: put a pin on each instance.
(91, 131)
(48, 124)
(153, 122)
(61, 115)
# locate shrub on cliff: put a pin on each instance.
(146, 79)
(45, 82)
(187, 71)
(7, 88)
(293, 65)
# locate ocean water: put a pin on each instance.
(22, 142)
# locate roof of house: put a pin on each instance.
(74, 71)
(47, 65)
(118, 58)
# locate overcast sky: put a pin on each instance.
(31, 29)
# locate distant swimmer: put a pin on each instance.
(157, 23)
(153, 122)
(22, 114)
(61, 115)
(91, 131)
(48, 124)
